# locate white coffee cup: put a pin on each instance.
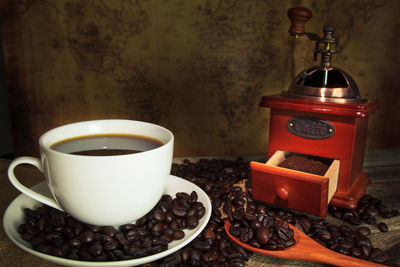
(102, 190)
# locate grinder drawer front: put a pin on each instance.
(290, 189)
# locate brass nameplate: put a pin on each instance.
(310, 127)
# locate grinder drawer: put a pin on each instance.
(293, 189)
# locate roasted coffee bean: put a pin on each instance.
(284, 232)
(365, 231)
(169, 217)
(86, 237)
(370, 220)
(57, 219)
(182, 222)
(183, 203)
(179, 211)
(143, 231)
(250, 217)
(254, 243)
(289, 243)
(347, 244)
(208, 233)
(158, 249)
(67, 230)
(159, 227)
(302, 227)
(377, 255)
(382, 258)
(56, 252)
(84, 256)
(110, 245)
(94, 228)
(209, 257)
(139, 223)
(106, 238)
(185, 255)
(37, 240)
(192, 222)
(121, 239)
(383, 227)
(56, 242)
(261, 209)
(118, 253)
(366, 250)
(235, 230)
(41, 223)
(30, 229)
(255, 224)
(201, 212)
(263, 234)
(371, 211)
(345, 230)
(178, 234)
(159, 216)
(32, 213)
(202, 245)
(95, 250)
(355, 221)
(386, 215)
(337, 214)
(246, 234)
(109, 230)
(344, 250)
(332, 228)
(77, 229)
(27, 236)
(43, 210)
(193, 197)
(363, 241)
(195, 255)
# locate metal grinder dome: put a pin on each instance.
(323, 83)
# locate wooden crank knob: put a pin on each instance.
(298, 16)
(282, 193)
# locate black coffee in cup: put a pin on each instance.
(106, 144)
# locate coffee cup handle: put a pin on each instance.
(37, 195)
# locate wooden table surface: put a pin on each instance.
(382, 165)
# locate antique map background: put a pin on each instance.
(197, 67)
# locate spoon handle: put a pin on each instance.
(308, 250)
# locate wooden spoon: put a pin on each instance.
(306, 249)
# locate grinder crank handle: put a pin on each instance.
(298, 16)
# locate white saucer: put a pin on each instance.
(14, 216)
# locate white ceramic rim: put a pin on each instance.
(47, 146)
(174, 184)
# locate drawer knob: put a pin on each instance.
(282, 193)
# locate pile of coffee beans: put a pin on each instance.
(226, 183)
(56, 233)
(369, 210)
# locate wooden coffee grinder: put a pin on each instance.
(321, 115)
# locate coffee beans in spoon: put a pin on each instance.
(53, 232)
(262, 231)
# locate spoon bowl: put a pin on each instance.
(305, 249)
